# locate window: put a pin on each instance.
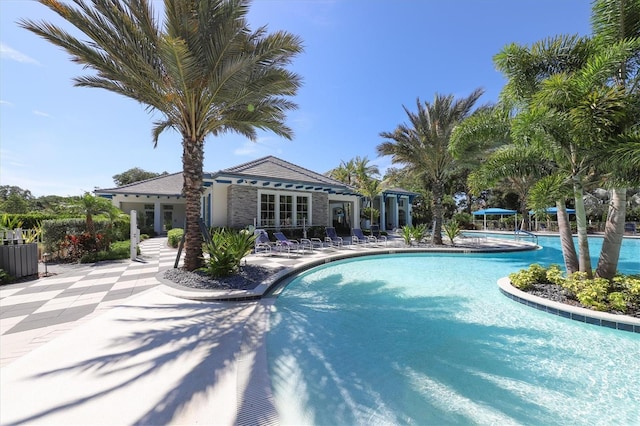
(284, 209)
(267, 210)
(302, 210)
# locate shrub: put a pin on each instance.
(555, 275)
(525, 279)
(55, 232)
(464, 219)
(174, 236)
(5, 278)
(117, 250)
(452, 229)
(226, 250)
(78, 246)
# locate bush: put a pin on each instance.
(5, 278)
(118, 250)
(465, 220)
(226, 250)
(174, 236)
(55, 232)
(78, 246)
(620, 294)
(525, 279)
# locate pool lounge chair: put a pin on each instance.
(262, 244)
(375, 231)
(332, 238)
(357, 237)
(285, 244)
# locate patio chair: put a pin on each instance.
(357, 237)
(262, 243)
(375, 231)
(332, 238)
(283, 243)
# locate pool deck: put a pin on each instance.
(110, 343)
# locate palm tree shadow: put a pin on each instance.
(173, 332)
(331, 348)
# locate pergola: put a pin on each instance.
(495, 211)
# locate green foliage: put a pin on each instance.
(5, 278)
(10, 222)
(414, 233)
(54, 232)
(117, 250)
(226, 250)
(465, 220)
(174, 236)
(369, 212)
(76, 247)
(452, 229)
(555, 275)
(597, 293)
(525, 279)
(133, 175)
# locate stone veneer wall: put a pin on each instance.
(320, 209)
(242, 205)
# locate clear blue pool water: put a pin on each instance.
(429, 340)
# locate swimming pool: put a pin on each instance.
(429, 339)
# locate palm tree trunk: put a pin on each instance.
(437, 190)
(613, 234)
(581, 224)
(566, 239)
(192, 163)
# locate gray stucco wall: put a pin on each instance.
(242, 205)
(320, 209)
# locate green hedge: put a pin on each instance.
(30, 220)
(55, 231)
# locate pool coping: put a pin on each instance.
(262, 289)
(576, 313)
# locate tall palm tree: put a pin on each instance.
(423, 145)
(201, 67)
(615, 21)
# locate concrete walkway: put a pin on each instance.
(103, 344)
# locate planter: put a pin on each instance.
(19, 260)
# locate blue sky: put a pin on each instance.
(363, 60)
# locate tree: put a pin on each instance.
(133, 175)
(613, 22)
(423, 145)
(201, 67)
(91, 206)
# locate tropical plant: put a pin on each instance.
(226, 250)
(423, 145)
(200, 67)
(174, 236)
(453, 230)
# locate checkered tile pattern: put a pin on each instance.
(34, 312)
(78, 292)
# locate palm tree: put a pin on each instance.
(201, 68)
(615, 21)
(423, 145)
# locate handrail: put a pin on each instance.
(530, 234)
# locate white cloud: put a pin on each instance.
(40, 113)
(5, 103)
(7, 52)
(260, 148)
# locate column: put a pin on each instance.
(157, 217)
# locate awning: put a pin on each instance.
(495, 211)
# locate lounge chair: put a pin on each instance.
(375, 231)
(359, 238)
(332, 238)
(285, 244)
(262, 243)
